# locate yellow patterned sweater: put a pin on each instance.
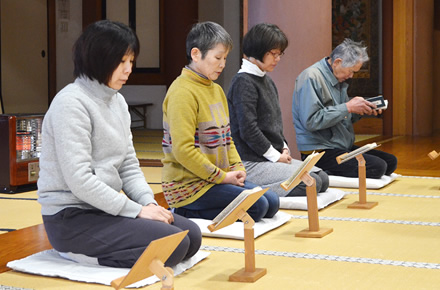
(197, 140)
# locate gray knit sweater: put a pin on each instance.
(255, 115)
(87, 155)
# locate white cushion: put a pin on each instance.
(353, 182)
(236, 230)
(323, 199)
(50, 263)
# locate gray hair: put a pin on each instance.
(350, 52)
(205, 36)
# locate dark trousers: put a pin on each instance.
(116, 241)
(212, 202)
(377, 163)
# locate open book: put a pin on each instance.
(243, 201)
(347, 156)
(237, 201)
(306, 166)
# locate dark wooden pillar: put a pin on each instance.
(387, 64)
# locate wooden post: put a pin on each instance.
(362, 203)
(165, 274)
(249, 273)
(313, 231)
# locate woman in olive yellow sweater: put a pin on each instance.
(202, 170)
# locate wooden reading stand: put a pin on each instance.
(362, 203)
(249, 273)
(433, 154)
(313, 231)
(152, 262)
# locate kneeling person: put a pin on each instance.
(323, 114)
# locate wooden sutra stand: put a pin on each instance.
(152, 262)
(362, 173)
(239, 212)
(313, 231)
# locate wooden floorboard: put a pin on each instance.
(411, 153)
(22, 243)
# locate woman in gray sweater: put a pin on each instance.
(88, 159)
(255, 114)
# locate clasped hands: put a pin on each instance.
(361, 106)
(156, 212)
(235, 177)
(285, 156)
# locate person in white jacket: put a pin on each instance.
(95, 201)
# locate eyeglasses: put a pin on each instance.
(276, 55)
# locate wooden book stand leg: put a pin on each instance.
(249, 273)
(312, 210)
(165, 274)
(362, 203)
(151, 262)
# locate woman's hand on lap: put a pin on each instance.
(235, 178)
(156, 212)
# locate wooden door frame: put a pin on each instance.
(51, 47)
(403, 67)
(387, 65)
(1, 95)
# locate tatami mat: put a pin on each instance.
(395, 245)
(19, 213)
(22, 210)
(283, 272)
(148, 144)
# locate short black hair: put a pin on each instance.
(205, 36)
(100, 49)
(262, 38)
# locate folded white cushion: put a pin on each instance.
(236, 230)
(50, 263)
(353, 182)
(323, 199)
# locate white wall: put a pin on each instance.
(227, 14)
(69, 27)
(232, 25)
